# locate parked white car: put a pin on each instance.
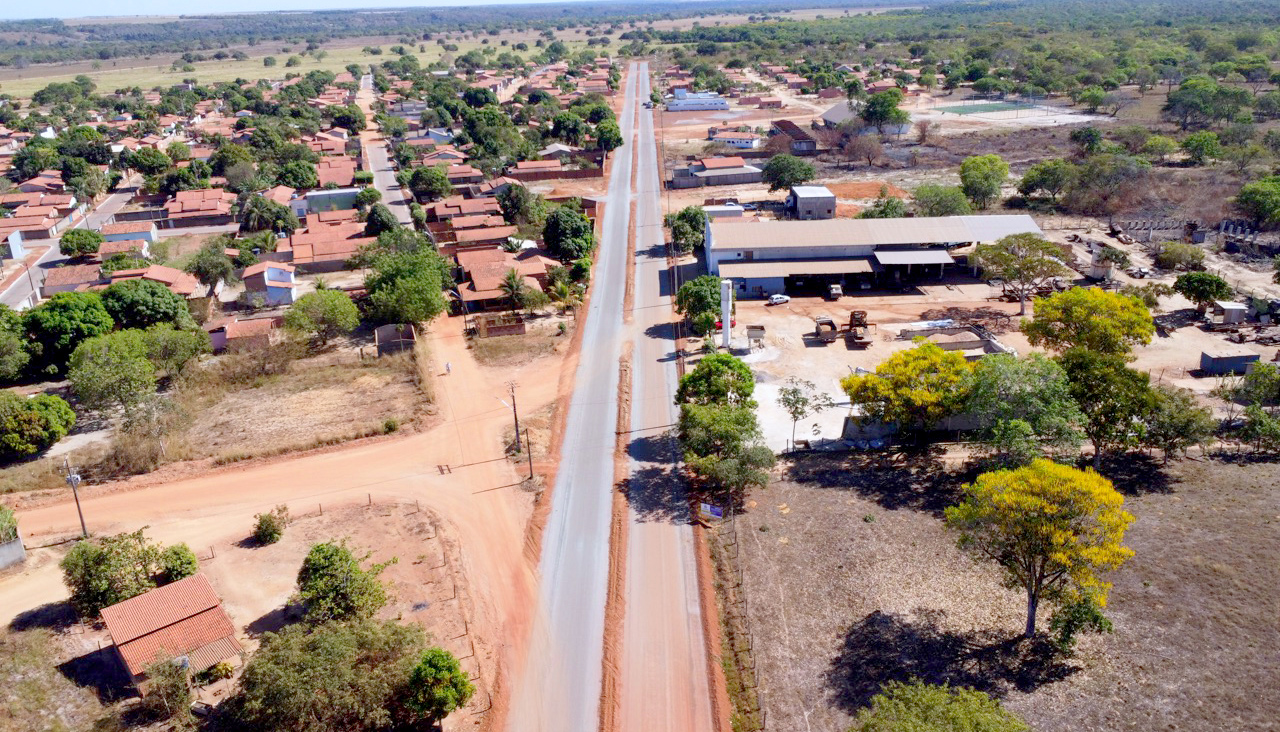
(779, 299)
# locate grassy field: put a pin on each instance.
(157, 71)
(853, 581)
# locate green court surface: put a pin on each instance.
(985, 108)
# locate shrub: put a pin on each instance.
(168, 695)
(333, 586)
(28, 426)
(270, 525)
(1180, 255)
(177, 562)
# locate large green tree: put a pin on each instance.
(1023, 262)
(936, 200)
(338, 676)
(981, 177)
(322, 315)
(79, 242)
(567, 234)
(1202, 288)
(56, 327)
(139, 303)
(1025, 407)
(717, 378)
(1112, 397)
(784, 171)
(28, 426)
(407, 287)
(437, 686)
(333, 586)
(102, 572)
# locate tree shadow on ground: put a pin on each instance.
(915, 479)
(101, 671)
(656, 492)
(51, 615)
(274, 621)
(661, 331)
(1134, 473)
(882, 647)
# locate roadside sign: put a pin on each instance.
(710, 511)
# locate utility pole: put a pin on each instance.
(515, 415)
(528, 445)
(73, 480)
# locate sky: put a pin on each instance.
(86, 8)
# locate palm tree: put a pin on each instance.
(566, 295)
(514, 288)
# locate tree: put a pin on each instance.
(1051, 176)
(112, 371)
(567, 234)
(139, 303)
(920, 707)
(148, 161)
(699, 295)
(28, 426)
(101, 572)
(608, 136)
(800, 398)
(367, 197)
(514, 288)
(981, 177)
(863, 147)
(1052, 529)
(522, 208)
(1023, 262)
(881, 109)
(298, 174)
(1242, 157)
(176, 562)
(263, 214)
(338, 676)
(333, 586)
(935, 200)
(430, 183)
(719, 378)
(211, 265)
(407, 287)
(437, 686)
(1159, 147)
(1090, 318)
(1177, 421)
(79, 242)
(168, 694)
(687, 228)
(322, 315)
(785, 171)
(169, 348)
(1111, 396)
(380, 220)
(1202, 147)
(1260, 201)
(1202, 288)
(56, 327)
(1092, 97)
(1025, 406)
(1087, 139)
(915, 389)
(13, 345)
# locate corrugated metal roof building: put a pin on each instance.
(768, 257)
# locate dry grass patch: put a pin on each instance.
(853, 581)
(515, 350)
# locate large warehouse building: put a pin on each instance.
(804, 257)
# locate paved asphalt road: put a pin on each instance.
(377, 158)
(664, 683)
(559, 690)
(19, 293)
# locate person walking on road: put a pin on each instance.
(448, 368)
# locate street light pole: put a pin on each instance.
(515, 415)
(73, 480)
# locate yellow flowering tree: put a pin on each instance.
(1090, 318)
(1052, 528)
(914, 388)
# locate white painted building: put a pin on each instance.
(686, 101)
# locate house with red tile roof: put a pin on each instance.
(244, 334)
(485, 269)
(448, 208)
(124, 230)
(463, 174)
(204, 207)
(327, 242)
(178, 282)
(183, 619)
(337, 169)
(274, 280)
(71, 278)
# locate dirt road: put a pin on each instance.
(664, 683)
(480, 499)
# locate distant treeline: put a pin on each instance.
(50, 41)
